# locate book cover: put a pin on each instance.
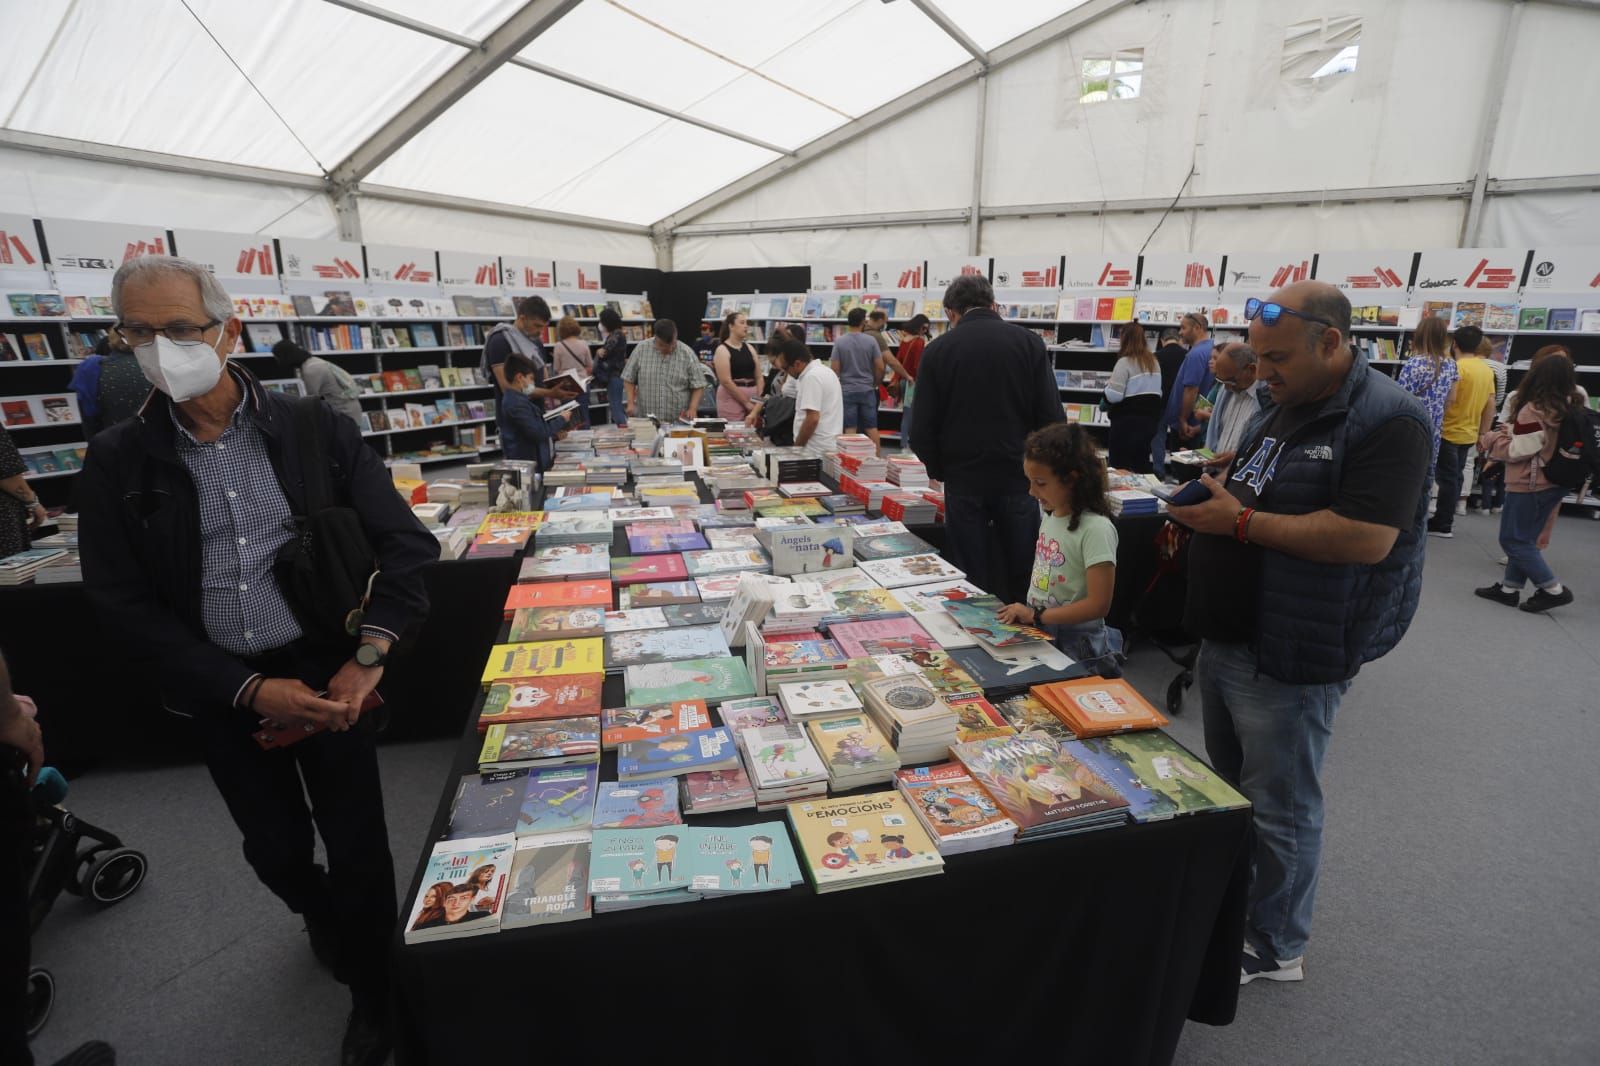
(909, 570)
(718, 790)
(852, 745)
(664, 645)
(623, 725)
(636, 619)
(557, 799)
(1144, 803)
(1034, 781)
(712, 680)
(532, 624)
(486, 804)
(681, 753)
(1500, 316)
(741, 859)
(810, 699)
(1564, 319)
(953, 807)
(752, 713)
(781, 755)
(638, 570)
(784, 652)
(657, 594)
(1163, 765)
(638, 860)
(1095, 706)
(555, 741)
(594, 593)
(892, 546)
(885, 636)
(807, 549)
(862, 838)
(533, 699)
(1467, 314)
(550, 658)
(1028, 714)
(650, 542)
(1532, 318)
(567, 562)
(714, 588)
(977, 718)
(907, 699)
(980, 616)
(637, 804)
(462, 891)
(549, 880)
(1028, 664)
(692, 614)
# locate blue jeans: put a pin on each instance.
(976, 527)
(1521, 522)
(1448, 471)
(1092, 645)
(860, 411)
(1268, 738)
(617, 396)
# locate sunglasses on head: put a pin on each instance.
(1269, 313)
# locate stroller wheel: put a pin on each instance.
(41, 997)
(115, 875)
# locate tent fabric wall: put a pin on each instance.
(1551, 106)
(1532, 219)
(47, 186)
(396, 222)
(809, 246)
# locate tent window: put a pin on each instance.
(1112, 77)
(1318, 49)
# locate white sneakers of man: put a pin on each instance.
(1253, 966)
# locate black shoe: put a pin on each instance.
(1543, 601)
(367, 1039)
(1498, 594)
(1443, 533)
(324, 942)
(94, 1053)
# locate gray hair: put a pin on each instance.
(218, 304)
(1241, 353)
(968, 291)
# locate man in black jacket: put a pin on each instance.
(981, 389)
(184, 510)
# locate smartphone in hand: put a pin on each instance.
(1186, 495)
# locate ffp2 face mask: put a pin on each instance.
(182, 371)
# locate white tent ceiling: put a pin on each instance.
(175, 76)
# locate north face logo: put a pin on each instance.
(1319, 451)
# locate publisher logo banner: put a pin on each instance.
(522, 272)
(573, 276)
(1368, 272)
(1493, 270)
(1027, 272)
(892, 274)
(469, 269)
(945, 269)
(228, 255)
(19, 244)
(1262, 272)
(838, 276)
(399, 265)
(1106, 270)
(313, 260)
(1181, 271)
(1565, 270)
(101, 246)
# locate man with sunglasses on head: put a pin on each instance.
(184, 509)
(1306, 564)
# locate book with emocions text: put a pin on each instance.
(463, 889)
(851, 841)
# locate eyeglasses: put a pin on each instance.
(177, 334)
(1269, 313)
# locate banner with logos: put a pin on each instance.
(1363, 274)
(1454, 270)
(895, 274)
(838, 275)
(228, 255)
(19, 244)
(1181, 271)
(573, 276)
(1258, 273)
(398, 265)
(1103, 270)
(101, 246)
(1027, 272)
(521, 272)
(469, 270)
(1565, 270)
(944, 269)
(304, 259)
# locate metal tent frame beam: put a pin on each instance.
(954, 32)
(529, 21)
(961, 76)
(177, 164)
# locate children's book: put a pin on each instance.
(656, 543)
(888, 636)
(778, 756)
(909, 570)
(852, 841)
(955, 809)
(664, 645)
(486, 804)
(657, 594)
(557, 799)
(548, 658)
(549, 880)
(463, 889)
(980, 616)
(892, 546)
(692, 614)
(707, 563)
(635, 620)
(712, 680)
(1163, 765)
(1044, 790)
(853, 747)
(977, 718)
(1028, 714)
(741, 859)
(622, 725)
(532, 699)
(682, 753)
(535, 624)
(567, 562)
(739, 715)
(595, 593)
(809, 699)
(651, 801)
(551, 742)
(640, 860)
(1097, 706)
(639, 569)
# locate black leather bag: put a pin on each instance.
(777, 419)
(326, 571)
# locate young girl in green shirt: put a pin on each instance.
(1075, 557)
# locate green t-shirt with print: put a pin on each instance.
(1062, 557)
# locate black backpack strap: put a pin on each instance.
(313, 455)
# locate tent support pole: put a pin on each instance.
(1472, 225)
(975, 218)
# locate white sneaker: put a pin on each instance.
(1461, 507)
(1253, 966)
(1502, 560)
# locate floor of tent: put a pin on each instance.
(1455, 921)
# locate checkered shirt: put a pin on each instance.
(664, 381)
(244, 520)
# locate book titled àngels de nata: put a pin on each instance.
(809, 549)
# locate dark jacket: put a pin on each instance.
(139, 532)
(524, 433)
(982, 388)
(1320, 622)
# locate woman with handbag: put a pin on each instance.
(572, 353)
(1525, 443)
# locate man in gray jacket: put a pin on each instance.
(322, 378)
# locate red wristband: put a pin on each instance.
(1241, 525)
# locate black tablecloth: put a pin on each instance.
(98, 704)
(1091, 948)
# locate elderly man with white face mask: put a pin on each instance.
(184, 510)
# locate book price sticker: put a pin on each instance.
(605, 884)
(1163, 767)
(709, 882)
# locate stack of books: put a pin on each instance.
(575, 527)
(892, 546)
(678, 754)
(710, 679)
(802, 700)
(791, 657)
(907, 471)
(921, 725)
(908, 507)
(1133, 502)
(19, 569)
(566, 562)
(843, 504)
(644, 867)
(855, 750)
(910, 570)
(623, 725)
(782, 764)
(862, 840)
(1097, 706)
(717, 790)
(1045, 790)
(955, 810)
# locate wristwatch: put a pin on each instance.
(370, 655)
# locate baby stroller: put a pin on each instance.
(1157, 616)
(104, 871)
